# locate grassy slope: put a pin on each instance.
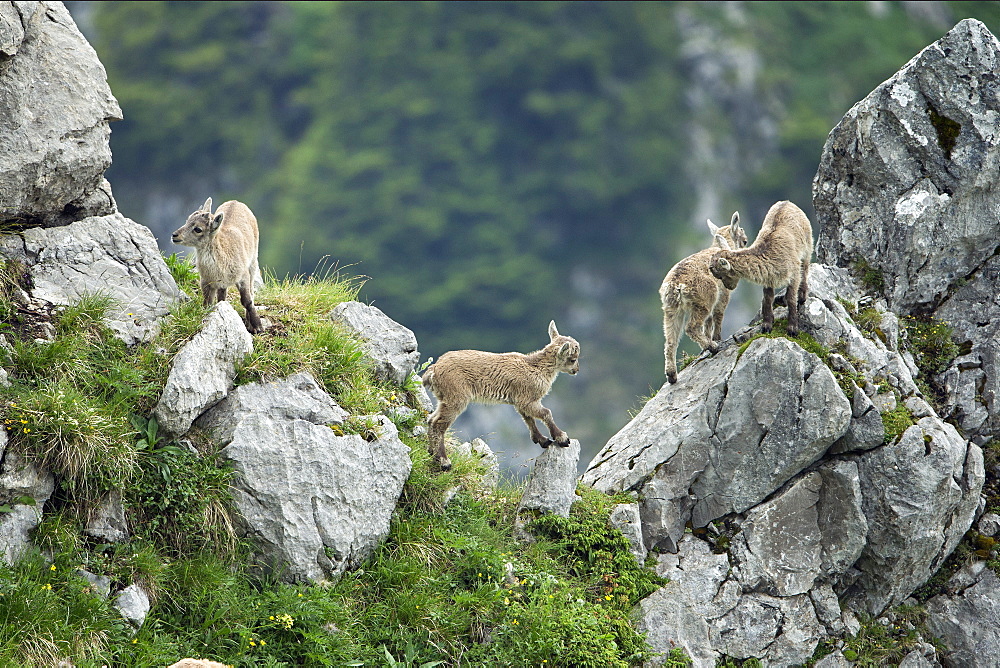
(448, 587)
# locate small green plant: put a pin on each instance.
(930, 340)
(183, 271)
(870, 276)
(367, 427)
(878, 644)
(896, 421)
(180, 499)
(947, 130)
(599, 551)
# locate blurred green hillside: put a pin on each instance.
(493, 165)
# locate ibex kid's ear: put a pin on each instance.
(216, 221)
(734, 224)
(720, 242)
(553, 332)
(563, 349)
(713, 230)
(207, 206)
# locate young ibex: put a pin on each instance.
(461, 377)
(225, 253)
(778, 257)
(694, 300)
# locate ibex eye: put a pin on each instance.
(197, 230)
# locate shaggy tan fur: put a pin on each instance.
(693, 300)
(461, 377)
(777, 258)
(226, 253)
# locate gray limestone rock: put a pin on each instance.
(202, 372)
(133, 604)
(315, 503)
(989, 525)
(20, 480)
(109, 255)
(550, 487)
(968, 621)
(678, 614)
(625, 518)
(779, 548)
(912, 165)
(920, 497)
(392, 347)
(56, 106)
(722, 440)
(107, 521)
(99, 584)
(298, 397)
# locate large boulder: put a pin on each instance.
(315, 502)
(56, 104)
(913, 165)
(391, 347)
(204, 370)
(724, 437)
(108, 255)
(907, 183)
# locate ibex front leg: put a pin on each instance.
(537, 410)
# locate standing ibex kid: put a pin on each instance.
(225, 253)
(778, 257)
(693, 300)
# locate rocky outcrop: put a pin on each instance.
(550, 487)
(110, 255)
(836, 481)
(967, 618)
(908, 184)
(391, 347)
(913, 164)
(724, 437)
(315, 502)
(202, 373)
(56, 106)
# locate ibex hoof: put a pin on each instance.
(563, 442)
(672, 378)
(545, 442)
(445, 464)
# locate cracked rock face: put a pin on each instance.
(724, 438)
(968, 617)
(109, 255)
(56, 104)
(907, 182)
(316, 503)
(913, 166)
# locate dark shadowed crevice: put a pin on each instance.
(946, 128)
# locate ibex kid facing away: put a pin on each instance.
(461, 377)
(778, 257)
(693, 300)
(225, 253)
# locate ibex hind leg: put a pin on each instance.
(438, 422)
(254, 325)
